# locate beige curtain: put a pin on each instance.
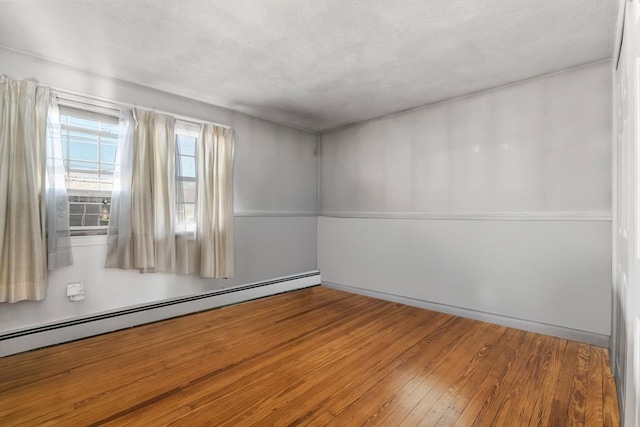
(23, 245)
(214, 204)
(141, 231)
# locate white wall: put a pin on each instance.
(497, 202)
(275, 203)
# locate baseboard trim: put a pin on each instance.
(512, 322)
(476, 216)
(268, 214)
(17, 341)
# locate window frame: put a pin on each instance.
(88, 197)
(190, 130)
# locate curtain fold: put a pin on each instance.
(57, 202)
(141, 229)
(23, 192)
(119, 229)
(214, 203)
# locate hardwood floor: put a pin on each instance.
(312, 357)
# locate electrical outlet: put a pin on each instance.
(74, 289)
(75, 292)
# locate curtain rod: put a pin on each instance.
(108, 104)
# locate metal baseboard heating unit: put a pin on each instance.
(17, 341)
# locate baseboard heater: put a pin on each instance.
(69, 330)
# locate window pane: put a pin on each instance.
(189, 210)
(79, 180)
(75, 165)
(109, 127)
(82, 123)
(186, 145)
(188, 189)
(75, 136)
(108, 140)
(187, 166)
(107, 153)
(107, 169)
(89, 142)
(80, 151)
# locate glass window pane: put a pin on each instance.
(186, 145)
(75, 136)
(83, 123)
(107, 153)
(106, 182)
(186, 213)
(79, 180)
(188, 190)
(190, 213)
(187, 166)
(109, 127)
(108, 140)
(80, 151)
(75, 165)
(89, 149)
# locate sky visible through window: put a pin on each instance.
(89, 147)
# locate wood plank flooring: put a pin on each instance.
(312, 357)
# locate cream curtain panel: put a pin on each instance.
(31, 202)
(214, 203)
(142, 227)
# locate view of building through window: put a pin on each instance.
(89, 143)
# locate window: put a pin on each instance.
(187, 135)
(89, 144)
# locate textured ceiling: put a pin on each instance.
(315, 64)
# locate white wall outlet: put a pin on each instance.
(75, 291)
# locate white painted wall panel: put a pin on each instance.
(276, 167)
(266, 248)
(467, 172)
(551, 272)
(539, 146)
